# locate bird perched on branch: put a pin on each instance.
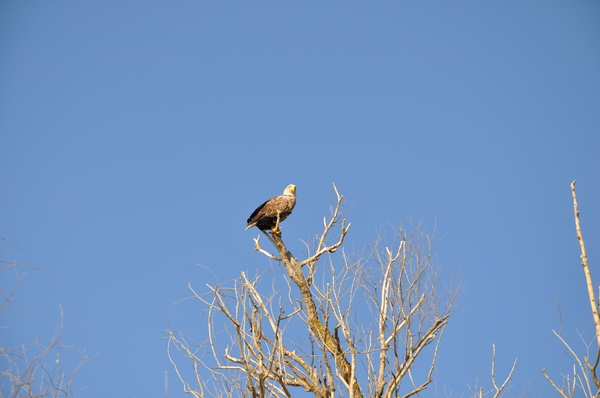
(268, 215)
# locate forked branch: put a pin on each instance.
(498, 389)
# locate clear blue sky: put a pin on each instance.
(136, 137)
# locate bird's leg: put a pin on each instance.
(276, 230)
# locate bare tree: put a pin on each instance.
(33, 369)
(339, 325)
(584, 377)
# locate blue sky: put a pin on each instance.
(137, 137)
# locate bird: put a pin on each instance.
(267, 216)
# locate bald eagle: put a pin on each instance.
(268, 215)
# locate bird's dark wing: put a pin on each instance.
(257, 213)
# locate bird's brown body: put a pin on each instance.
(270, 214)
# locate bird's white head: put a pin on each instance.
(290, 190)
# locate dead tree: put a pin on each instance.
(584, 378)
(358, 332)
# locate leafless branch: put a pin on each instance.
(584, 372)
(498, 390)
(586, 268)
(260, 249)
(34, 369)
